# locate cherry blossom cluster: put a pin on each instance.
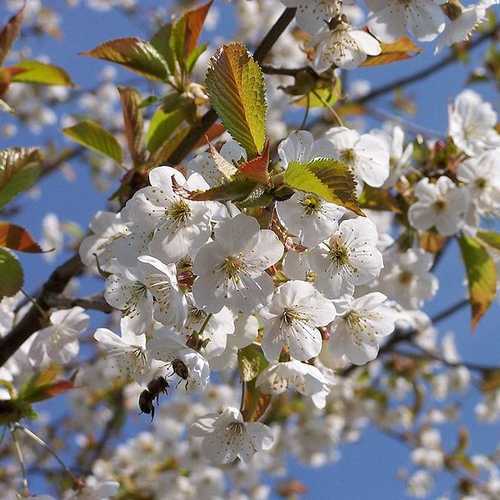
(340, 41)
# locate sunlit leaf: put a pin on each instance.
(44, 385)
(133, 123)
(329, 179)
(9, 33)
(251, 362)
(167, 119)
(378, 199)
(481, 275)
(17, 238)
(165, 151)
(234, 190)
(491, 238)
(135, 54)
(325, 93)
(11, 272)
(41, 73)
(401, 49)
(91, 135)
(236, 89)
(19, 170)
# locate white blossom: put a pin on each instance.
(392, 19)
(366, 154)
(481, 175)
(180, 226)
(472, 122)
(58, 342)
(230, 268)
(304, 378)
(442, 205)
(126, 353)
(291, 319)
(349, 258)
(360, 325)
(226, 437)
(344, 47)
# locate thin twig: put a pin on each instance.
(451, 58)
(95, 303)
(46, 447)
(20, 456)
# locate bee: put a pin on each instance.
(181, 370)
(147, 397)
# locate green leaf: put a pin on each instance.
(13, 410)
(93, 136)
(235, 190)
(236, 88)
(192, 59)
(135, 54)
(19, 170)
(325, 93)
(161, 42)
(9, 33)
(329, 179)
(41, 73)
(251, 362)
(481, 275)
(491, 238)
(167, 119)
(11, 273)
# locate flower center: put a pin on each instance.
(339, 253)
(353, 319)
(233, 266)
(440, 205)
(348, 156)
(311, 204)
(137, 292)
(291, 315)
(481, 183)
(237, 428)
(179, 212)
(405, 278)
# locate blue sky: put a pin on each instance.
(368, 468)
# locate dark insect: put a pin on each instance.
(146, 403)
(146, 398)
(157, 386)
(181, 370)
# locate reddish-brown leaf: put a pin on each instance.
(17, 238)
(257, 169)
(9, 33)
(216, 130)
(194, 24)
(59, 387)
(255, 403)
(399, 50)
(133, 122)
